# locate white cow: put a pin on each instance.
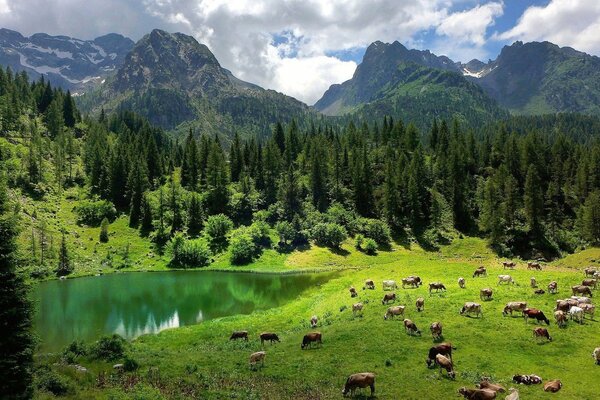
(576, 313)
(472, 308)
(582, 299)
(505, 279)
(393, 311)
(389, 285)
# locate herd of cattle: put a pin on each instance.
(575, 308)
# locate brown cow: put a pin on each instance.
(420, 304)
(393, 311)
(437, 286)
(580, 289)
(239, 335)
(369, 284)
(552, 386)
(590, 271)
(539, 291)
(388, 297)
(310, 338)
(514, 306)
(561, 318)
(588, 309)
(357, 307)
(314, 321)
(268, 336)
(446, 364)
(477, 394)
(257, 357)
(589, 282)
(486, 294)
(472, 308)
(461, 283)
(417, 279)
(536, 314)
(533, 282)
(411, 328)
(508, 264)
(534, 265)
(410, 281)
(566, 304)
(436, 330)
(553, 287)
(541, 333)
(485, 384)
(352, 292)
(442, 348)
(359, 381)
(481, 271)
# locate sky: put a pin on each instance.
(301, 47)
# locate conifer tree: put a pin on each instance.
(195, 216)
(137, 184)
(533, 199)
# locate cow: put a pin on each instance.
(357, 307)
(513, 395)
(388, 297)
(553, 287)
(566, 304)
(417, 279)
(514, 306)
(410, 281)
(527, 379)
(352, 291)
(314, 321)
(534, 265)
(420, 304)
(596, 275)
(536, 314)
(539, 291)
(590, 271)
(589, 282)
(477, 394)
(485, 294)
(561, 318)
(411, 328)
(258, 357)
(389, 285)
(505, 279)
(310, 338)
(533, 282)
(508, 264)
(541, 333)
(239, 335)
(552, 386)
(576, 313)
(582, 299)
(268, 336)
(580, 289)
(369, 284)
(436, 330)
(485, 384)
(445, 363)
(442, 348)
(596, 355)
(588, 309)
(472, 308)
(359, 381)
(393, 311)
(437, 286)
(461, 282)
(481, 271)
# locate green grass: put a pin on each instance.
(199, 360)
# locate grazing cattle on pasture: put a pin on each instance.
(356, 307)
(580, 289)
(566, 304)
(442, 348)
(539, 291)
(389, 285)
(505, 279)
(461, 282)
(536, 314)
(541, 333)
(239, 335)
(437, 286)
(420, 304)
(527, 379)
(314, 321)
(576, 313)
(416, 279)
(596, 355)
(369, 284)
(533, 282)
(552, 386)
(258, 357)
(410, 281)
(596, 275)
(393, 311)
(588, 309)
(310, 338)
(581, 299)
(512, 395)
(268, 336)
(359, 381)
(508, 264)
(590, 271)
(589, 282)
(534, 265)
(471, 308)
(436, 330)
(352, 291)
(388, 297)
(485, 384)
(481, 271)
(445, 363)
(561, 318)
(477, 394)
(485, 294)
(514, 306)
(411, 328)
(553, 287)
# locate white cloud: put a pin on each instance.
(574, 23)
(471, 25)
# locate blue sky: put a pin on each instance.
(301, 47)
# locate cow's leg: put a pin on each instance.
(372, 385)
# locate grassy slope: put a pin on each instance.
(199, 360)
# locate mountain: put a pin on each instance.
(539, 78)
(415, 85)
(66, 62)
(177, 83)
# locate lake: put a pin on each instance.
(133, 304)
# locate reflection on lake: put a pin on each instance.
(132, 304)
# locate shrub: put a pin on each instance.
(259, 231)
(93, 212)
(48, 380)
(108, 348)
(130, 364)
(370, 246)
(104, 231)
(217, 227)
(286, 232)
(73, 351)
(339, 215)
(377, 230)
(329, 234)
(189, 253)
(358, 241)
(242, 248)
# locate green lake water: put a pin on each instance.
(133, 304)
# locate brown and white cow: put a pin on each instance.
(389, 285)
(481, 271)
(388, 297)
(310, 338)
(590, 271)
(561, 318)
(589, 282)
(486, 384)
(588, 309)
(540, 332)
(596, 355)
(486, 294)
(539, 291)
(258, 357)
(553, 287)
(442, 348)
(508, 264)
(512, 395)
(477, 394)
(580, 289)
(534, 265)
(445, 363)
(359, 381)
(352, 291)
(514, 306)
(268, 337)
(417, 279)
(239, 335)
(410, 281)
(552, 386)
(394, 311)
(356, 307)
(461, 282)
(533, 282)
(314, 320)
(527, 379)
(566, 304)
(369, 284)
(505, 279)
(536, 314)
(411, 328)
(420, 303)
(472, 308)
(437, 286)
(436, 330)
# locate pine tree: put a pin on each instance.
(54, 118)
(177, 219)
(533, 199)
(104, 231)
(195, 216)
(590, 219)
(65, 267)
(190, 169)
(69, 110)
(236, 161)
(318, 177)
(137, 184)
(146, 224)
(288, 194)
(279, 137)
(216, 180)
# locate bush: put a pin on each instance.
(242, 248)
(329, 234)
(104, 231)
(358, 241)
(259, 231)
(73, 351)
(189, 253)
(339, 215)
(108, 348)
(217, 227)
(49, 381)
(370, 246)
(377, 230)
(130, 364)
(93, 212)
